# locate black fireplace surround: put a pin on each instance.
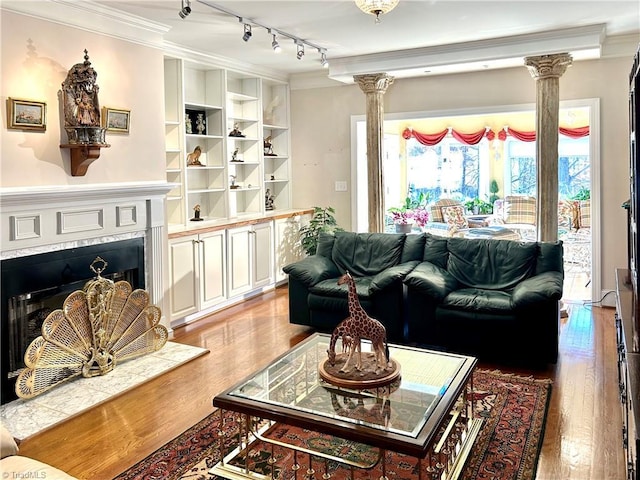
(35, 285)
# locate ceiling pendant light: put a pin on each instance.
(376, 7)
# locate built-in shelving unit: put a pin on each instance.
(228, 115)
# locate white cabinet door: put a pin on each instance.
(262, 234)
(183, 271)
(239, 256)
(213, 285)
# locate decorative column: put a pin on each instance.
(547, 70)
(375, 85)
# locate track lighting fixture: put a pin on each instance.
(186, 8)
(248, 23)
(247, 32)
(274, 44)
(323, 59)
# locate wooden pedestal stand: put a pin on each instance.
(362, 379)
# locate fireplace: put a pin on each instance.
(35, 285)
(50, 235)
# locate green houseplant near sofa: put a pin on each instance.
(322, 221)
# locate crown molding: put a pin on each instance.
(413, 62)
(118, 24)
(621, 45)
(175, 50)
(89, 16)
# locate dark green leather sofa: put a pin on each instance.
(494, 299)
(378, 262)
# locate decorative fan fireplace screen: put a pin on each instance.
(105, 323)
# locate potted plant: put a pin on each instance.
(323, 220)
(412, 212)
(494, 188)
(478, 206)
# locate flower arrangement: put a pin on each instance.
(413, 211)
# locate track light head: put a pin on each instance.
(275, 45)
(300, 53)
(323, 60)
(186, 9)
(247, 32)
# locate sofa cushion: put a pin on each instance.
(413, 248)
(520, 209)
(436, 208)
(436, 250)
(490, 264)
(454, 217)
(585, 214)
(550, 257)
(365, 254)
(325, 244)
(480, 300)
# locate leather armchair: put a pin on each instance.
(377, 261)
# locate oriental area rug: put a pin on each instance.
(514, 410)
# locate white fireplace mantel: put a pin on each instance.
(41, 219)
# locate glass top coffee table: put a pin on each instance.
(426, 413)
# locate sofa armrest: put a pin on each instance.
(312, 270)
(544, 287)
(390, 275)
(431, 280)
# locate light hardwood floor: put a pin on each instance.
(583, 431)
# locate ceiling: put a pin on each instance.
(348, 34)
(417, 38)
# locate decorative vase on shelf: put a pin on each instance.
(200, 124)
(187, 123)
(403, 227)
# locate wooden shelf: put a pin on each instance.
(83, 155)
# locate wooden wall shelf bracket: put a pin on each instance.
(83, 155)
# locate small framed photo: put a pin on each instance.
(26, 114)
(116, 120)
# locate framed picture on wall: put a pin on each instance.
(26, 114)
(116, 120)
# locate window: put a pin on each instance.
(574, 174)
(448, 169)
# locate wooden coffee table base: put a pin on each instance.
(445, 460)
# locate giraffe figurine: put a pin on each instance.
(359, 325)
(342, 330)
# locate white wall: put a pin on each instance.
(321, 139)
(36, 56)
